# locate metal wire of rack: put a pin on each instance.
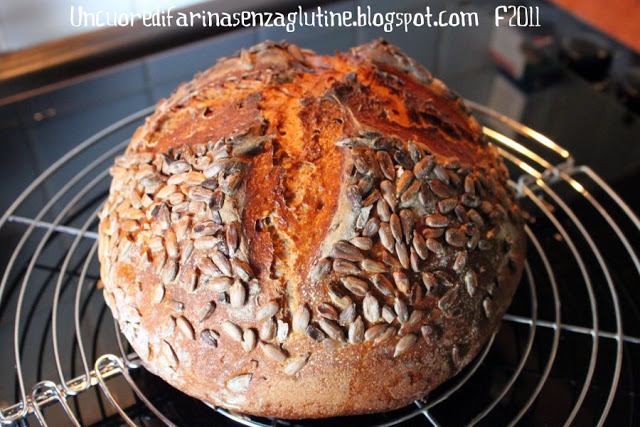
(561, 347)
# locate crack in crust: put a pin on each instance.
(288, 226)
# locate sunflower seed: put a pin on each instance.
(210, 183)
(441, 173)
(362, 243)
(388, 194)
(199, 194)
(422, 169)
(332, 329)
(356, 331)
(416, 317)
(221, 262)
(371, 227)
(151, 181)
(411, 192)
(470, 200)
(415, 152)
(175, 306)
(338, 298)
(346, 250)
(420, 246)
(295, 364)
(386, 165)
(440, 189)
(342, 266)
(385, 336)
(402, 282)
(217, 200)
(404, 182)
(374, 332)
(176, 199)
(474, 240)
(242, 270)
(383, 284)
(171, 244)
(401, 310)
(158, 293)
(231, 235)
(354, 197)
(240, 383)
(403, 255)
(220, 284)
(320, 270)
(460, 262)
(348, 315)
(185, 327)
(169, 271)
(405, 343)
(432, 233)
(268, 330)
(391, 261)
(231, 329)
(371, 308)
(415, 260)
(447, 205)
(161, 213)
(210, 337)
(315, 333)
(436, 221)
(435, 247)
(455, 356)
(469, 185)
(371, 266)
(461, 214)
(386, 236)
(188, 281)
(471, 282)
(455, 238)
(388, 314)
(356, 286)
(156, 244)
(237, 294)
(476, 217)
(370, 200)
(382, 209)
(327, 311)
(487, 305)
(207, 267)
(167, 191)
(402, 158)
(268, 310)
(159, 259)
(448, 299)
(363, 217)
(396, 227)
(430, 281)
(248, 340)
(407, 221)
(179, 166)
(206, 242)
(416, 294)
(169, 355)
(301, 319)
(206, 311)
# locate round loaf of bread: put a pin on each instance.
(307, 236)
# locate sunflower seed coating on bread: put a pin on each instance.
(306, 236)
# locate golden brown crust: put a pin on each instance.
(302, 236)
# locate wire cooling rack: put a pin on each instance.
(560, 357)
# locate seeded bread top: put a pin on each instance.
(288, 226)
